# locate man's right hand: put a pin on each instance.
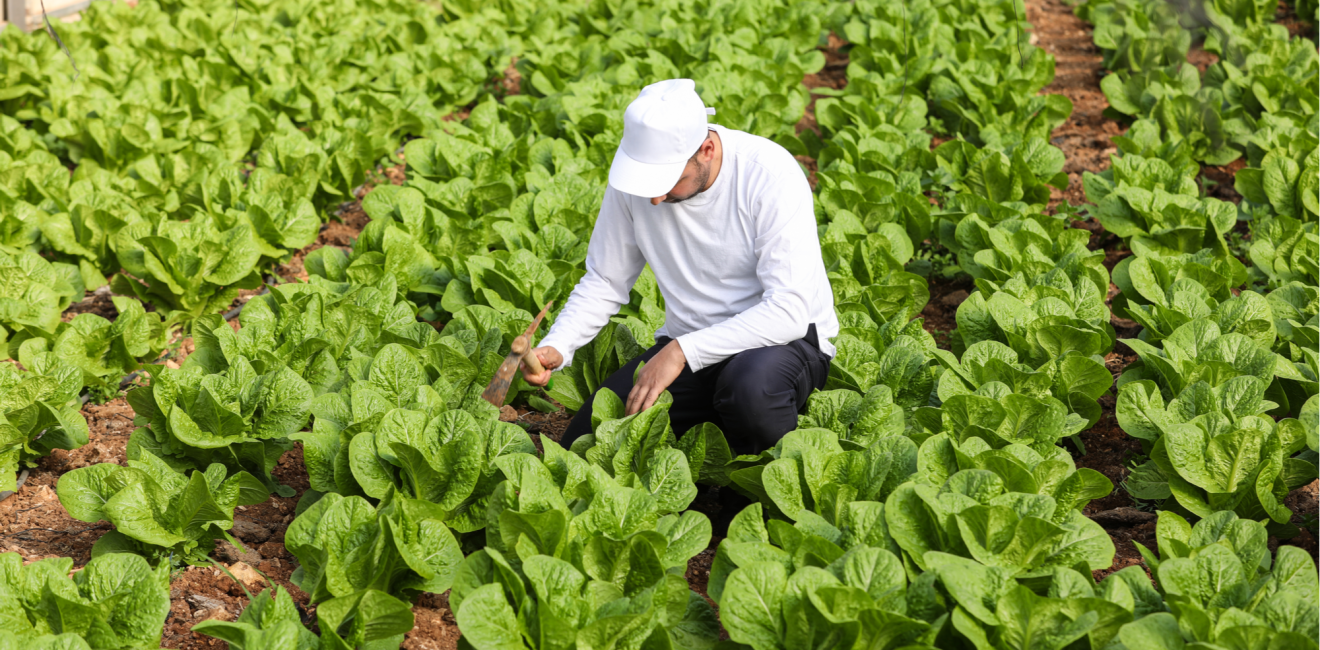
(549, 358)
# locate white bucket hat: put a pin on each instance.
(662, 128)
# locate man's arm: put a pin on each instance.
(613, 263)
(790, 268)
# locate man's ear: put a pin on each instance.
(707, 149)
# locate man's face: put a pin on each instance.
(695, 178)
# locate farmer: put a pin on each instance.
(725, 220)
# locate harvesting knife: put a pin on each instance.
(519, 351)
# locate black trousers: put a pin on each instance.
(754, 397)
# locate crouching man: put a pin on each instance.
(725, 220)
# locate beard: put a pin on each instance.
(702, 178)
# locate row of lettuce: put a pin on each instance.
(207, 141)
(925, 499)
(1229, 331)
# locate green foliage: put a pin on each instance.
(779, 585)
(116, 602)
(157, 511)
(574, 558)
(414, 421)
(104, 351)
(1220, 584)
(345, 546)
(34, 293)
(366, 619)
(38, 414)
(239, 419)
(1213, 448)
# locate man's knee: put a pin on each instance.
(760, 392)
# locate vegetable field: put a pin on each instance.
(259, 259)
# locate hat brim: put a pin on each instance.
(649, 180)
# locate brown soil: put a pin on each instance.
(940, 314)
(1108, 449)
(550, 425)
(1198, 57)
(97, 302)
(1218, 180)
(341, 233)
(435, 628)
(511, 84)
(1304, 502)
(1085, 137)
(1286, 15)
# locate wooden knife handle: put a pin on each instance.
(521, 346)
(533, 363)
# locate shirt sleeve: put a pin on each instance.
(613, 264)
(789, 267)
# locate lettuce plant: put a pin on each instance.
(781, 585)
(188, 269)
(240, 419)
(1285, 250)
(811, 476)
(368, 619)
(404, 425)
(640, 451)
(34, 293)
(319, 330)
(1000, 416)
(1200, 351)
(104, 351)
(1017, 175)
(974, 515)
(898, 354)
(1214, 448)
(116, 602)
(1076, 380)
(1022, 470)
(400, 547)
(38, 414)
(574, 559)
(1163, 293)
(156, 510)
(1220, 585)
(854, 417)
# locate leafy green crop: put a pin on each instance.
(898, 354)
(116, 602)
(188, 269)
(574, 558)
(1220, 585)
(780, 585)
(414, 421)
(367, 619)
(239, 419)
(157, 511)
(1200, 350)
(34, 293)
(1213, 448)
(813, 477)
(400, 547)
(38, 414)
(104, 351)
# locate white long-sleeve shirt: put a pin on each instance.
(739, 265)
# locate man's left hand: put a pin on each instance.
(655, 377)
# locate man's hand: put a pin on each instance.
(656, 376)
(549, 358)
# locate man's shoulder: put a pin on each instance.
(760, 154)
